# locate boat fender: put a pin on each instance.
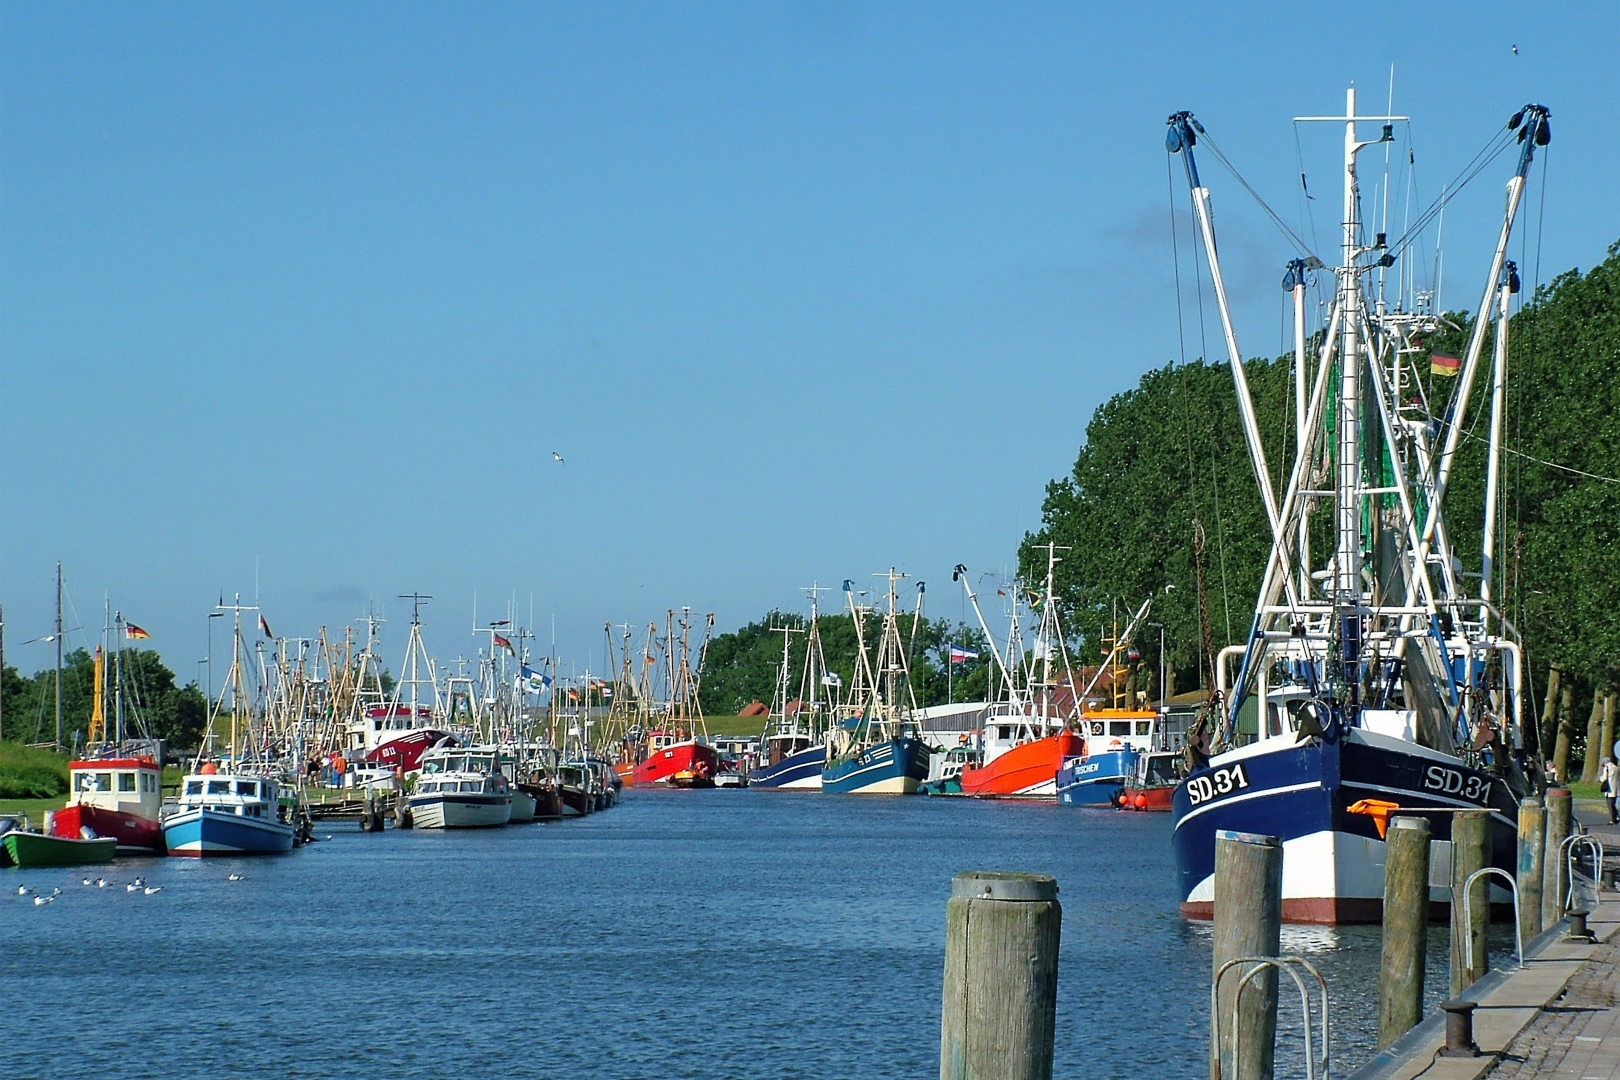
(1141, 802)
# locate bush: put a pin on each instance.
(26, 773)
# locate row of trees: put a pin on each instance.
(168, 710)
(1168, 456)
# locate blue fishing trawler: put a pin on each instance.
(876, 749)
(229, 814)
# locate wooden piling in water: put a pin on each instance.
(1406, 928)
(1532, 845)
(1470, 851)
(1248, 922)
(1554, 872)
(999, 1009)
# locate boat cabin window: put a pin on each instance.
(1004, 732)
(470, 785)
(247, 787)
(194, 787)
(126, 781)
(219, 787)
(1144, 727)
(148, 782)
(1119, 727)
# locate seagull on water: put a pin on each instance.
(102, 883)
(234, 877)
(139, 882)
(39, 901)
(153, 890)
(22, 890)
(86, 881)
(132, 887)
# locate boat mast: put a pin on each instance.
(1347, 484)
(58, 638)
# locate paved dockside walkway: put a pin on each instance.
(1557, 1018)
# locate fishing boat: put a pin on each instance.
(234, 805)
(945, 772)
(1153, 786)
(678, 752)
(875, 749)
(228, 813)
(396, 730)
(461, 788)
(118, 797)
(1380, 673)
(1028, 735)
(795, 737)
(1117, 735)
(28, 850)
(576, 788)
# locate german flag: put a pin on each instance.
(502, 643)
(1441, 364)
(135, 632)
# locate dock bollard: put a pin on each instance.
(1406, 928)
(1554, 872)
(1459, 1029)
(1470, 851)
(1248, 922)
(999, 1008)
(1532, 845)
(1578, 930)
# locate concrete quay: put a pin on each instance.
(1556, 1018)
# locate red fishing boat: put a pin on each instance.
(1021, 757)
(669, 755)
(118, 797)
(399, 743)
(1154, 783)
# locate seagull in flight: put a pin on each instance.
(1515, 50)
(559, 457)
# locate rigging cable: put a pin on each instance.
(1489, 153)
(1282, 225)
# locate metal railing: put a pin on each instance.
(1290, 964)
(1567, 853)
(1468, 923)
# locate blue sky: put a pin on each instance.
(309, 294)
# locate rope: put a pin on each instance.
(1549, 464)
(1491, 151)
(1282, 226)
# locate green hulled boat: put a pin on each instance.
(29, 849)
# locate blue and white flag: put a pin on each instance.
(537, 681)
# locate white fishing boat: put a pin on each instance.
(1377, 680)
(461, 788)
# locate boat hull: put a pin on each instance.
(470, 811)
(523, 807)
(29, 850)
(1097, 780)
(405, 752)
(800, 771)
(894, 767)
(134, 833)
(201, 833)
(1333, 859)
(664, 765)
(1028, 770)
(1155, 799)
(547, 803)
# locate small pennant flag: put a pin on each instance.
(502, 643)
(265, 626)
(959, 655)
(832, 678)
(135, 632)
(1441, 364)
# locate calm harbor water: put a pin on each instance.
(686, 934)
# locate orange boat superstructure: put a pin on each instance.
(1021, 758)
